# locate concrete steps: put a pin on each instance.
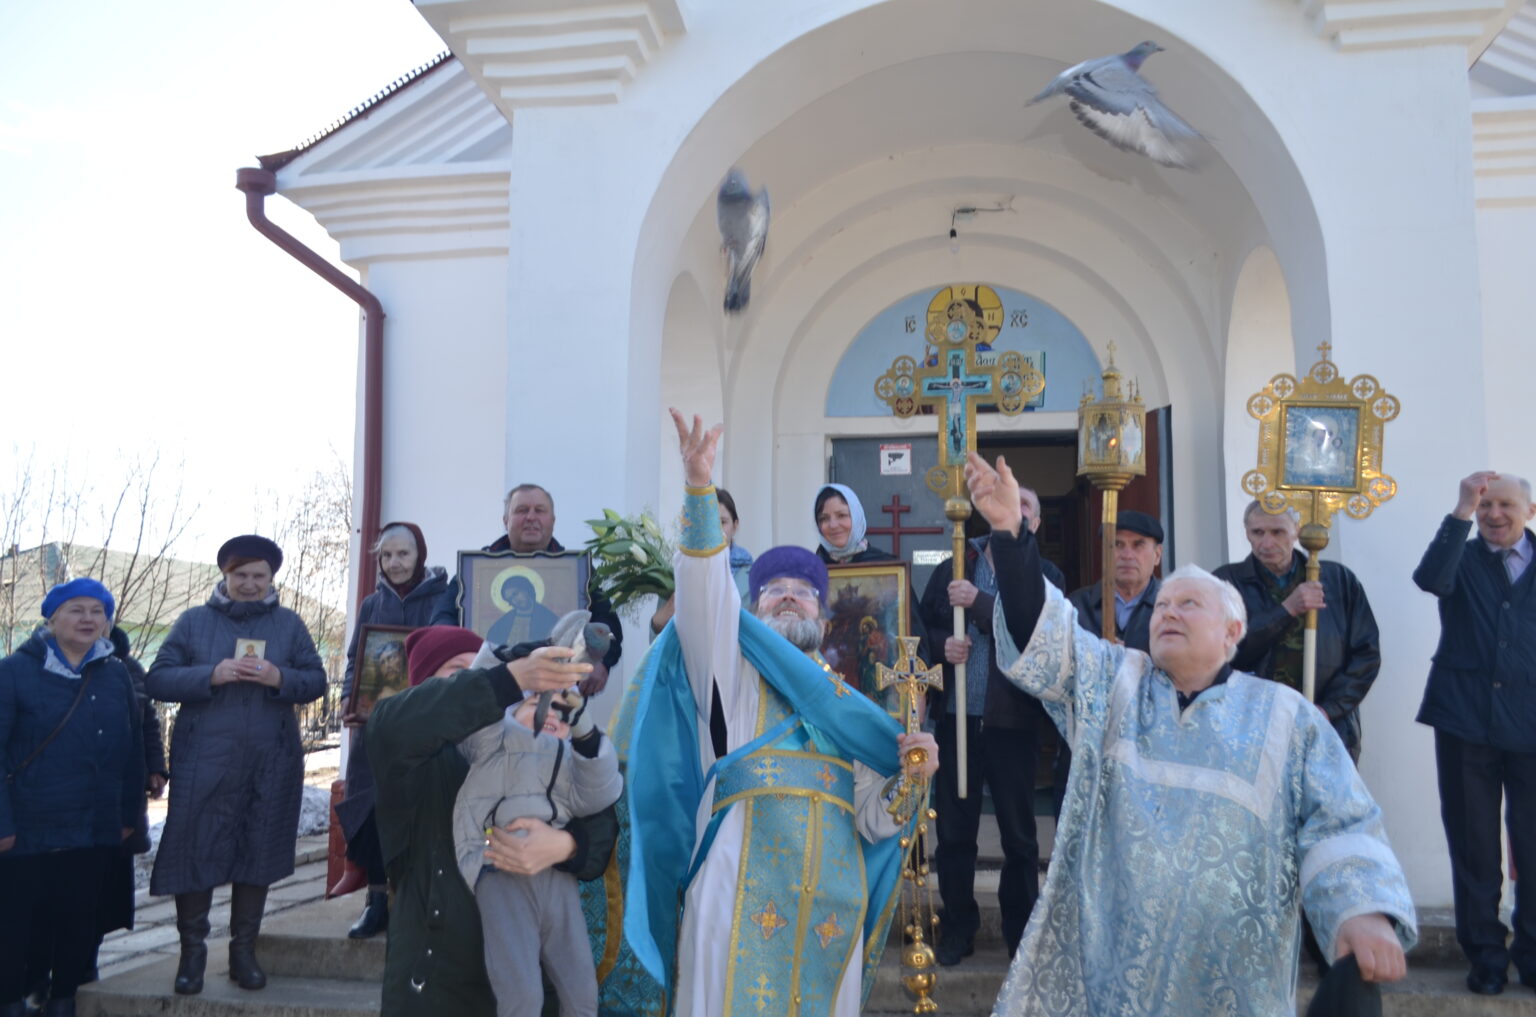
(971, 988)
(146, 991)
(315, 971)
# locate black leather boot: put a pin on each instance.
(375, 917)
(192, 924)
(246, 903)
(60, 1008)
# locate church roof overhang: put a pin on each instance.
(277, 160)
(424, 169)
(527, 53)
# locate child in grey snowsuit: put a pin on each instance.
(568, 770)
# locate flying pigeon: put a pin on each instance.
(1113, 101)
(589, 641)
(743, 219)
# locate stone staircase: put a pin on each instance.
(315, 971)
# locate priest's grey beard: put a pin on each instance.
(802, 633)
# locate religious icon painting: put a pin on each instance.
(1322, 446)
(868, 607)
(509, 598)
(250, 649)
(379, 667)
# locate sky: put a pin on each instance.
(141, 316)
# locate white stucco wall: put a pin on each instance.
(871, 122)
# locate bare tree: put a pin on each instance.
(125, 538)
(314, 528)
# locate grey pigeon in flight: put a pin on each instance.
(743, 218)
(589, 642)
(1115, 102)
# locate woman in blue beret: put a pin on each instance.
(238, 665)
(72, 790)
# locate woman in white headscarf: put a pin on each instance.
(840, 521)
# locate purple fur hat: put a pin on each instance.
(787, 562)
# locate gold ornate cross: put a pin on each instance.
(912, 677)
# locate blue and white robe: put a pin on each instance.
(789, 857)
(1188, 838)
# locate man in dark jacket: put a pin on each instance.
(529, 516)
(1272, 581)
(1481, 701)
(1138, 553)
(435, 963)
(1002, 751)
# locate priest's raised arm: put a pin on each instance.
(1204, 805)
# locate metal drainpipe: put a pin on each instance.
(257, 184)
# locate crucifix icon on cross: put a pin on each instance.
(954, 382)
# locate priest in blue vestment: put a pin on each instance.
(1206, 811)
(760, 788)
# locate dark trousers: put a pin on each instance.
(365, 851)
(1475, 780)
(53, 895)
(1004, 760)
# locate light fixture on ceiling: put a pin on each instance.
(963, 213)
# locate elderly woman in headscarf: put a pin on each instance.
(237, 767)
(73, 789)
(405, 594)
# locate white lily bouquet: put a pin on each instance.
(631, 556)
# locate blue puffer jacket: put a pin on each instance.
(88, 783)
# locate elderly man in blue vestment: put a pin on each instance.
(760, 788)
(1204, 805)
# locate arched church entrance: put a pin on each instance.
(888, 470)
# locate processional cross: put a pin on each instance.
(954, 382)
(912, 679)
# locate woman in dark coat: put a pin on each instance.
(73, 789)
(405, 595)
(238, 666)
(436, 958)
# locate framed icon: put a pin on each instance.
(1322, 446)
(380, 669)
(509, 598)
(868, 610)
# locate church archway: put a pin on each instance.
(1259, 347)
(690, 378)
(869, 149)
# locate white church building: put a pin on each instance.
(536, 213)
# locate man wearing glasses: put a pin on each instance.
(770, 791)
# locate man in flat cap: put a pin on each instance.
(1138, 553)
